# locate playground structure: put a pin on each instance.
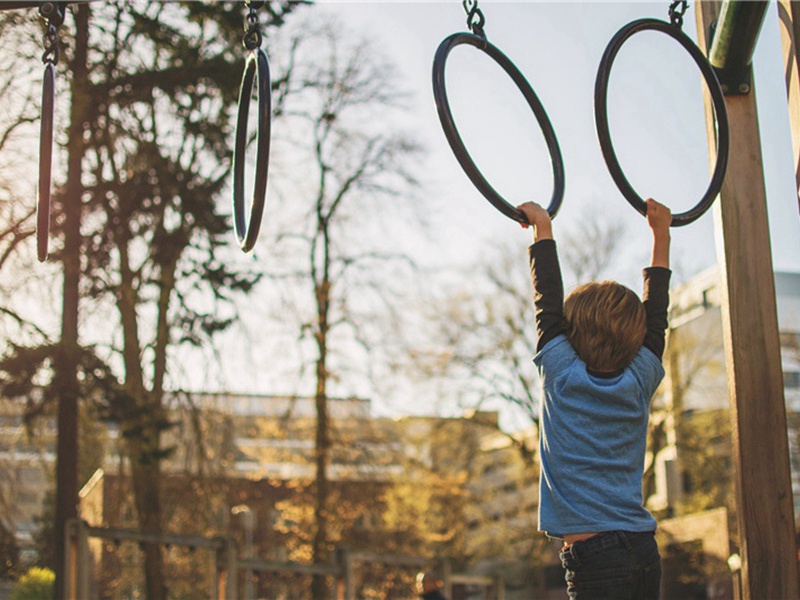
(727, 33)
(229, 567)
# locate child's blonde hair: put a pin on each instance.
(607, 324)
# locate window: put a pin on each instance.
(706, 299)
(791, 380)
(790, 340)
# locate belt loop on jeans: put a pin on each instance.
(623, 537)
(570, 550)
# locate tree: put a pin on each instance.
(353, 160)
(143, 237)
(162, 131)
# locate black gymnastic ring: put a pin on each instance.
(247, 234)
(45, 162)
(604, 135)
(457, 145)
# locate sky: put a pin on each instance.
(656, 119)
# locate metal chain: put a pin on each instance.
(252, 30)
(676, 11)
(54, 13)
(475, 18)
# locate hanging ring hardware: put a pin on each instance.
(256, 71)
(456, 143)
(676, 11)
(475, 18)
(45, 162)
(54, 12)
(256, 67)
(604, 134)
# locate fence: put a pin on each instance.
(342, 568)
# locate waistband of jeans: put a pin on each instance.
(609, 539)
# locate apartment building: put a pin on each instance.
(696, 384)
(255, 454)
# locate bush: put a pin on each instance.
(36, 584)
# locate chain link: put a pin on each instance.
(676, 11)
(54, 13)
(475, 18)
(252, 30)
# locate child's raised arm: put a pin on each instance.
(539, 218)
(655, 296)
(548, 289)
(659, 219)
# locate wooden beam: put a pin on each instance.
(789, 18)
(752, 351)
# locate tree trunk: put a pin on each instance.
(146, 478)
(322, 446)
(144, 442)
(68, 356)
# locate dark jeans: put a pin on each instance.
(613, 565)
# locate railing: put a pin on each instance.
(77, 563)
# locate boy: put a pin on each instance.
(599, 358)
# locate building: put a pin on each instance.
(693, 465)
(695, 388)
(243, 465)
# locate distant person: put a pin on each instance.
(429, 586)
(599, 358)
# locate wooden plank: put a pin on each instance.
(389, 559)
(291, 567)
(477, 580)
(752, 352)
(789, 19)
(165, 539)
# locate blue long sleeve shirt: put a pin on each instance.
(593, 427)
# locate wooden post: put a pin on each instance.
(232, 570)
(752, 352)
(447, 577)
(499, 588)
(83, 561)
(789, 18)
(220, 579)
(345, 580)
(69, 571)
(227, 576)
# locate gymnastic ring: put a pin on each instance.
(457, 145)
(604, 135)
(45, 162)
(247, 234)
